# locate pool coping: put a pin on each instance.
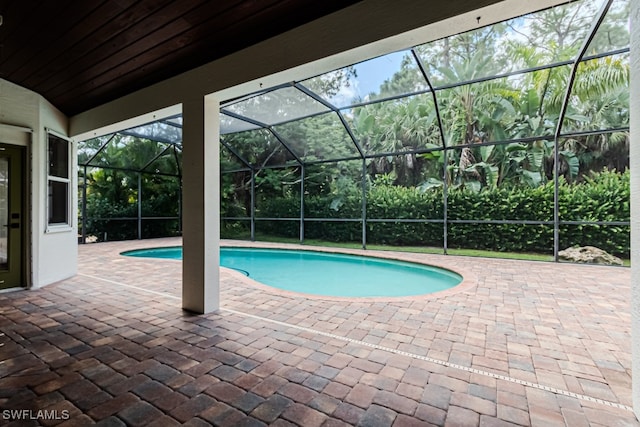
(469, 279)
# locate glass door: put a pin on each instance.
(11, 216)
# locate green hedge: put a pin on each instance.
(103, 223)
(601, 197)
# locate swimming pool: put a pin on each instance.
(326, 274)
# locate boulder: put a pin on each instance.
(588, 255)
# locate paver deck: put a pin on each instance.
(520, 343)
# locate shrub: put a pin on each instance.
(603, 196)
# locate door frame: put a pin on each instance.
(22, 138)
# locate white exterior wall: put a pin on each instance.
(53, 256)
(57, 252)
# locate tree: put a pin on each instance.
(112, 185)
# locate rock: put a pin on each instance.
(588, 255)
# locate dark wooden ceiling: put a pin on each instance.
(79, 54)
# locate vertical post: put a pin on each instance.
(180, 206)
(364, 203)
(84, 206)
(563, 110)
(302, 204)
(252, 214)
(634, 155)
(556, 198)
(423, 71)
(201, 204)
(139, 206)
(445, 209)
(179, 169)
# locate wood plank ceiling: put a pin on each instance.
(79, 54)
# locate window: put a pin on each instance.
(58, 181)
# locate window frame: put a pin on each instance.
(67, 224)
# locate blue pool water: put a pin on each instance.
(326, 274)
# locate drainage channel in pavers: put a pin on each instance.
(392, 350)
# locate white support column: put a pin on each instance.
(201, 205)
(635, 204)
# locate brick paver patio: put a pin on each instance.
(520, 343)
